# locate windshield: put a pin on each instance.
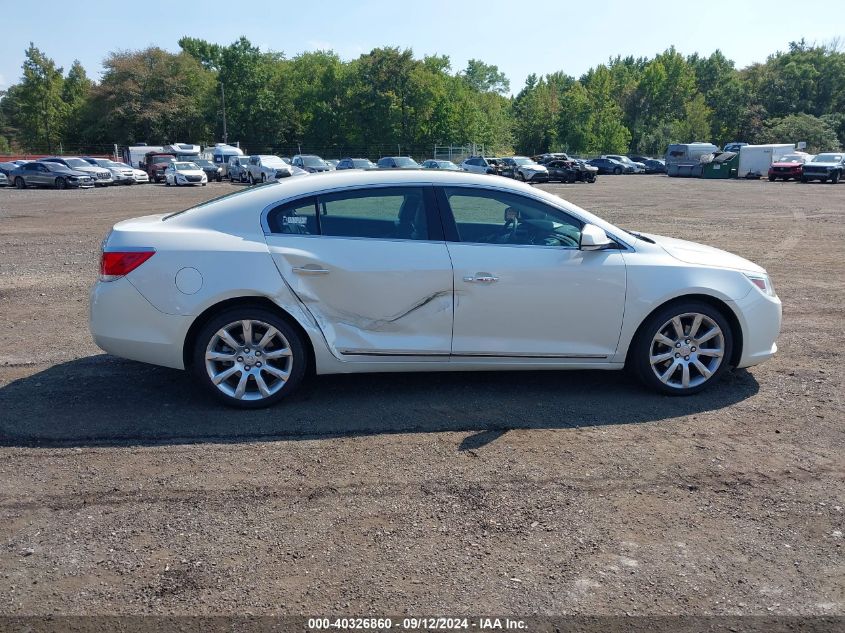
(313, 161)
(77, 162)
(273, 161)
(828, 158)
(522, 160)
(361, 163)
(204, 163)
(446, 164)
(793, 158)
(55, 166)
(404, 161)
(161, 159)
(185, 166)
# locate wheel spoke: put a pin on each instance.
(714, 331)
(219, 356)
(268, 336)
(665, 340)
(661, 357)
(696, 324)
(702, 368)
(277, 353)
(246, 326)
(278, 373)
(241, 389)
(664, 377)
(685, 375)
(715, 353)
(679, 329)
(262, 385)
(223, 375)
(228, 339)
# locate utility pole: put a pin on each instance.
(223, 99)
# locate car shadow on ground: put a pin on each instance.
(102, 400)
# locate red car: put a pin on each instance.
(788, 167)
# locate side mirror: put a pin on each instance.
(593, 238)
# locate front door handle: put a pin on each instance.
(481, 278)
(310, 269)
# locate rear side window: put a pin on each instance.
(389, 213)
(295, 218)
(383, 213)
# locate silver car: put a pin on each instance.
(121, 174)
(102, 177)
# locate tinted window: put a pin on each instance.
(496, 217)
(298, 217)
(390, 212)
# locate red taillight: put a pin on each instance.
(116, 264)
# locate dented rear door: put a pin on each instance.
(371, 267)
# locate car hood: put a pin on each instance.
(820, 164)
(190, 172)
(534, 167)
(701, 255)
(790, 164)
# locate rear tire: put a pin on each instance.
(804, 180)
(617, 171)
(20, 183)
(243, 373)
(681, 365)
(834, 177)
(772, 178)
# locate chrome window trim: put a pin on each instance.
(624, 245)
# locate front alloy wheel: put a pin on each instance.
(249, 358)
(683, 348)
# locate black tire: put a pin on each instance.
(617, 171)
(772, 178)
(219, 178)
(641, 347)
(20, 183)
(804, 180)
(834, 177)
(61, 183)
(250, 179)
(298, 358)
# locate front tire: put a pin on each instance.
(250, 179)
(772, 178)
(682, 348)
(617, 171)
(20, 183)
(249, 358)
(834, 177)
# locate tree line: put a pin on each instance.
(389, 99)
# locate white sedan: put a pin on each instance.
(184, 173)
(396, 271)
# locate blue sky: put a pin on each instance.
(519, 36)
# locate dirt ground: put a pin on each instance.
(123, 490)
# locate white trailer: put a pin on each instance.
(134, 154)
(220, 154)
(756, 159)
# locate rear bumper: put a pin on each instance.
(125, 324)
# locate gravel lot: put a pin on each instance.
(123, 490)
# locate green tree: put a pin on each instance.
(76, 92)
(818, 134)
(483, 77)
(40, 111)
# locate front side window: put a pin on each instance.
(497, 217)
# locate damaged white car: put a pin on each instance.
(399, 270)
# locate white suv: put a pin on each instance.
(481, 165)
(261, 168)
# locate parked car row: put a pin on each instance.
(69, 172)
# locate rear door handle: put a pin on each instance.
(482, 278)
(310, 269)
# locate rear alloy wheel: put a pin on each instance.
(20, 183)
(682, 348)
(249, 358)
